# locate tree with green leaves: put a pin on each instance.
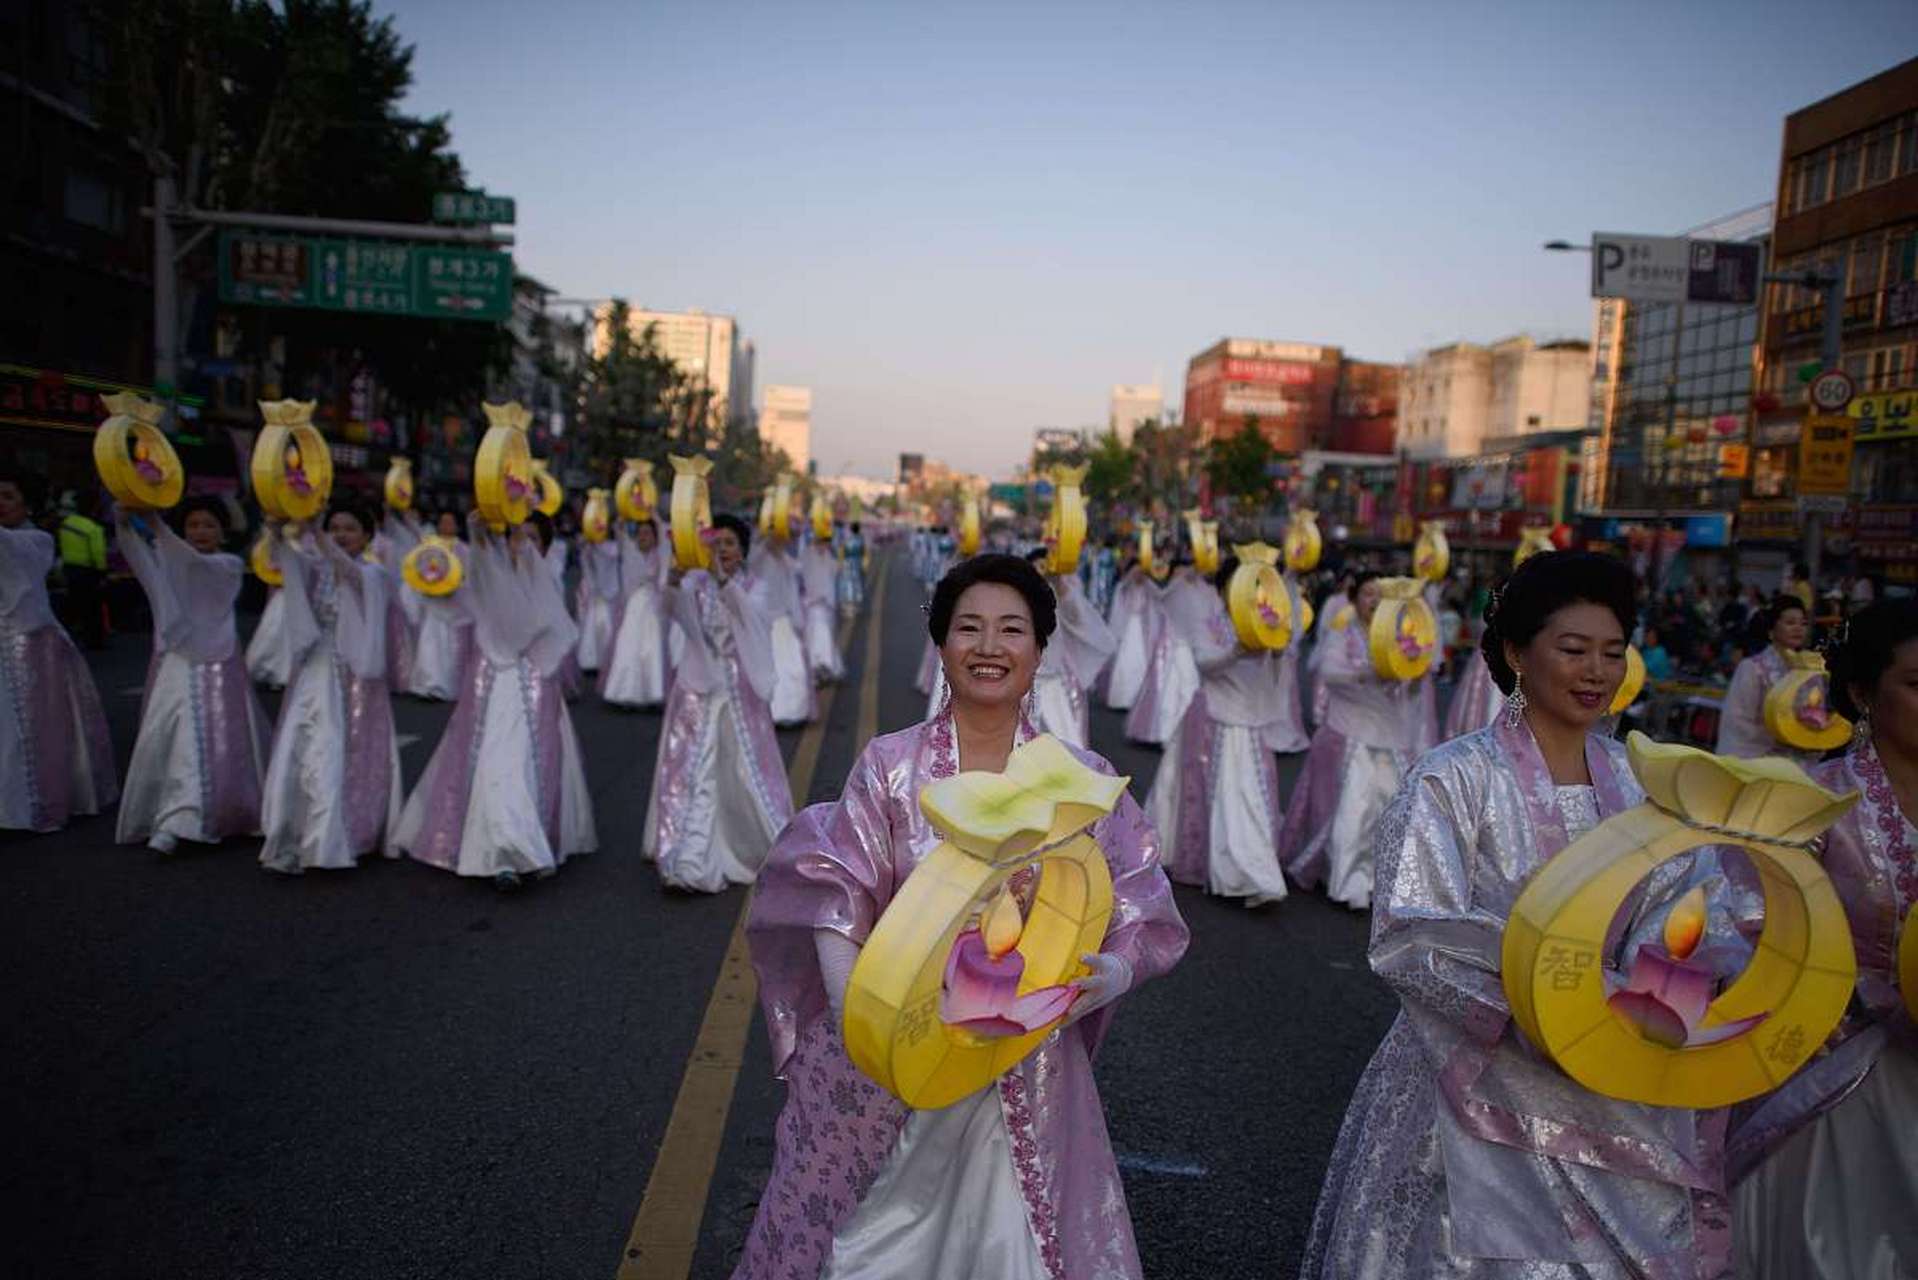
(1111, 470)
(1236, 465)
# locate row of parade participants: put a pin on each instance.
(504, 794)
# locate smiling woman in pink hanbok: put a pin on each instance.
(1215, 798)
(1361, 752)
(199, 761)
(635, 673)
(1465, 1152)
(719, 793)
(56, 761)
(1838, 1194)
(505, 794)
(332, 787)
(1018, 1181)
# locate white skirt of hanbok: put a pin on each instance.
(1839, 1200)
(266, 658)
(1177, 685)
(325, 801)
(439, 656)
(1215, 804)
(595, 631)
(1059, 707)
(822, 645)
(792, 675)
(721, 833)
(1334, 814)
(200, 757)
(635, 673)
(1129, 660)
(946, 1205)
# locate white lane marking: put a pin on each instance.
(405, 740)
(1163, 1166)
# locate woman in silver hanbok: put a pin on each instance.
(201, 754)
(56, 761)
(777, 575)
(816, 570)
(635, 673)
(332, 789)
(1171, 674)
(1741, 721)
(1465, 1152)
(1134, 620)
(1836, 1194)
(599, 594)
(1366, 741)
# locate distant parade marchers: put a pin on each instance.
(1476, 1144)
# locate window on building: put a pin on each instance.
(1908, 143)
(1887, 368)
(1812, 178)
(93, 201)
(1880, 150)
(1866, 252)
(1845, 171)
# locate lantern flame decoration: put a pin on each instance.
(1303, 544)
(433, 568)
(692, 512)
(955, 985)
(1258, 600)
(596, 521)
(1432, 554)
(1798, 710)
(504, 487)
(398, 489)
(821, 518)
(969, 526)
(635, 495)
(1403, 637)
(1660, 1034)
(1065, 531)
(292, 469)
(551, 496)
(135, 460)
(1531, 540)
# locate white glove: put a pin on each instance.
(1111, 977)
(837, 955)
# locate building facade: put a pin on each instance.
(1288, 389)
(1457, 397)
(786, 423)
(1366, 408)
(1131, 405)
(1847, 204)
(706, 347)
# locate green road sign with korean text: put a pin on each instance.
(366, 277)
(473, 206)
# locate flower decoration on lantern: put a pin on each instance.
(1403, 636)
(292, 469)
(1258, 600)
(635, 495)
(1662, 1032)
(433, 568)
(135, 460)
(1797, 709)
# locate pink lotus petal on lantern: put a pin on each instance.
(1814, 717)
(1685, 989)
(1652, 1016)
(977, 986)
(1036, 1008)
(1736, 1027)
(990, 1027)
(1268, 615)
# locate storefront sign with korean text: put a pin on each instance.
(1885, 415)
(1824, 455)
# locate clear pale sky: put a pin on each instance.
(960, 222)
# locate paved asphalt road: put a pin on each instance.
(392, 1072)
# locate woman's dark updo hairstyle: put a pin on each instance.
(1007, 571)
(1228, 565)
(1781, 604)
(362, 514)
(1543, 585)
(212, 506)
(1870, 644)
(1359, 578)
(741, 530)
(543, 526)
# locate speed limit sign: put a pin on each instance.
(1832, 390)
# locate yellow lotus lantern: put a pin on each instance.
(634, 494)
(821, 518)
(1403, 637)
(1531, 540)
(1658, 1035)
(692, 512)
(956, 984)
(596, 521)
(551, 496)
(765, 522)
(1148, 560)
(1634, 682)
(292, 469)
(1204, 536)
(1798, 709)
(969, 526)
(1065, 531)
(260, 559)
(1303, 545)
(433, 568)
(1432, 554)
(135, 460)
(1306, 614)
(504, 488)
(1344, 618)
(779, 507)
(1908, 960)
(1257, 598)
(398, 489)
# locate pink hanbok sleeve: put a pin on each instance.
(751, 617)
(191, 593)
(1199, 618)
(698, 665)
(300, 562)
(360, 634)
(517, 609)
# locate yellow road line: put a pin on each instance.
(666, 1229)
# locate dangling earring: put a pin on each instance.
(1515, 701)
(1861, 728)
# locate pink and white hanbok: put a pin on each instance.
(719, 792)
(1359, 756)
(200, 759)
(56, 760)
(1136, 611)
(634, 674)
(1016, 1182)
(332, 790)
(1171, 675)
(505, 791)
(777, 576)
(1286, 733)
(598, 596)
(1075, 655)
(400, 532)
(1215, 798)
(266, 651)
(817, 573)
